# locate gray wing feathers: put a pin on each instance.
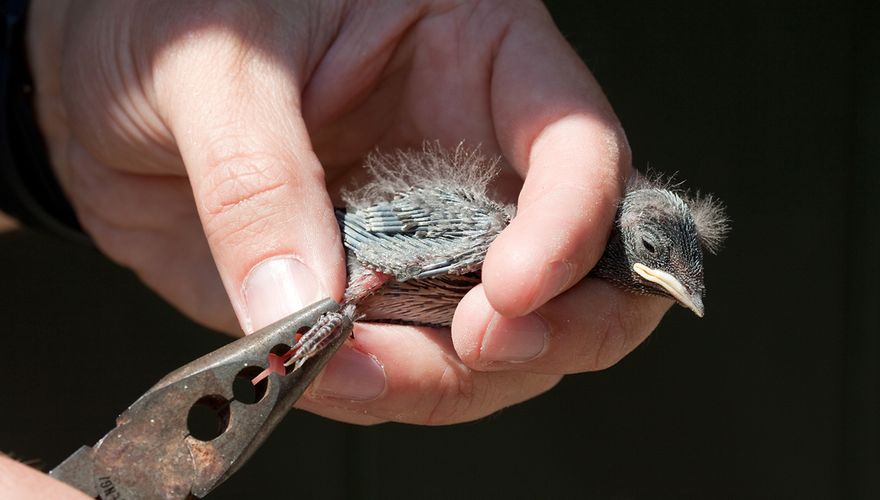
(427, 221)
(423, 232)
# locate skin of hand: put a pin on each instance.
(17, 480)
(203, 145)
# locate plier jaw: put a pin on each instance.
(152, 453)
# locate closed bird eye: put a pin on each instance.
(649, 246)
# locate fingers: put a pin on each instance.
(149, 224)
(590, 327)
(258, 186)
(560, 133)
(412, 375)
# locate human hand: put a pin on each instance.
(202, 144)
(17, 480)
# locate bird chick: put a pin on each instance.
(656, 245)
(417, 235)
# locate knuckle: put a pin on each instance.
(479, 398)
(240, 192)
(237, 178)
(454, 395)
(611, 339)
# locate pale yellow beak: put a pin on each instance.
(672, 286)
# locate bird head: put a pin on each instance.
(658, 241)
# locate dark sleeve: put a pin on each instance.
(28, 188)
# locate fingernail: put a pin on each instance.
(351, 375)
(275, 288)
(514, 340)
(556, 277)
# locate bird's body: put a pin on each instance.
(416, 237)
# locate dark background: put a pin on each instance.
(773, 106)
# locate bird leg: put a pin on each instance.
(321, 334)
(362, 283)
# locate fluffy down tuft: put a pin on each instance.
(711, 221)
(431, 167)
(708, 212)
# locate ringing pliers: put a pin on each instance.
(155, 452)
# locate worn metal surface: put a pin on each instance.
(151, 454)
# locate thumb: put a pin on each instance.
(258, 185)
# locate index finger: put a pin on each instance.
(561, 134)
